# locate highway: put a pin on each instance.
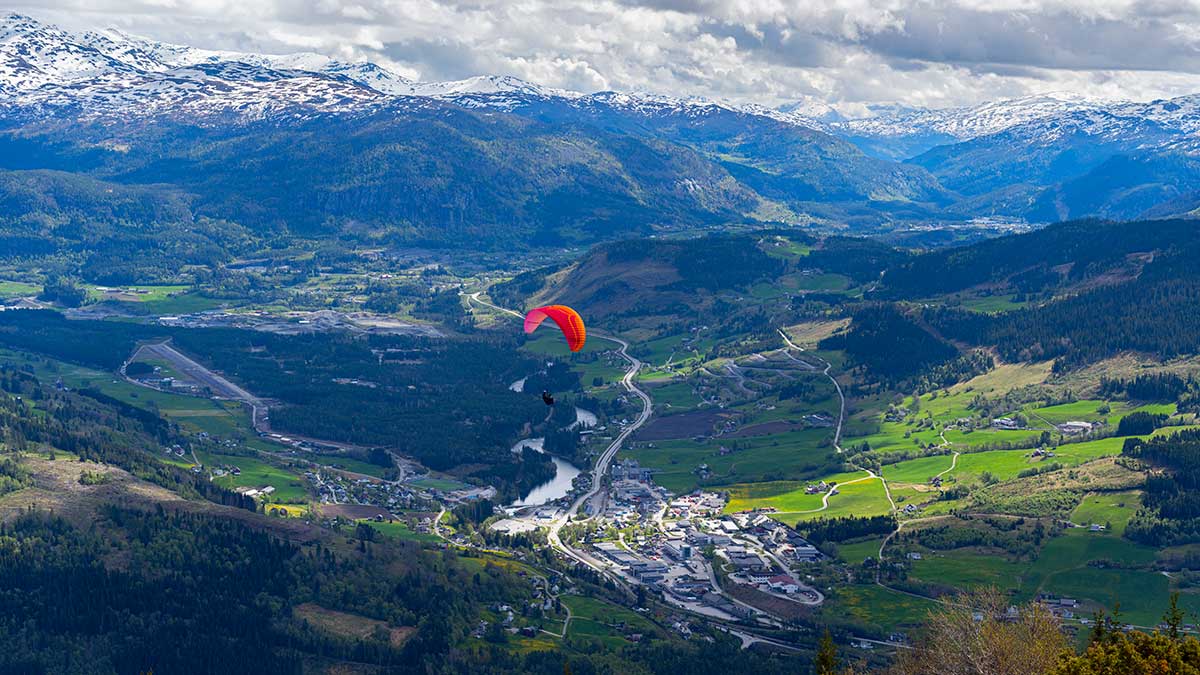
(605, 460)
(606, 457)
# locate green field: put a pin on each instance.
(156, 300)
(786, 248)
(875, 607)
(17, 289)
(596, 619)
(289, 486)
(781, 495)
(347, 464)
(1088, 410)
(676, 395)
(656, 352)
(788, 455)
(865, 498)
(400, 530)
(548, 340)
(991, 303)
(968, 568)
(1062, 568)
(1108, 508)
(608, 374)
(1002, 464)
(438, 484)
(918, 470)
(856, 552)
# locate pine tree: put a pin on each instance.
(1173, 617)
(826, 661)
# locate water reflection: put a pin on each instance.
(556, 487)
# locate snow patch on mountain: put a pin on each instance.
(44, 70)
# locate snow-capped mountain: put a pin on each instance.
(804, 161)
(968, 122)
(109, 72)
(900, 132)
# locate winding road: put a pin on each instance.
(605, 459)
(837, 434)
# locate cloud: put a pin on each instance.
(848, 52)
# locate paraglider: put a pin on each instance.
(547, 398)
(568, 321)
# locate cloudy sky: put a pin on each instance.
(847, 52)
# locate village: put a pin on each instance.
(684, 549)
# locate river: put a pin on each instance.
(584, 418)
(559, 486)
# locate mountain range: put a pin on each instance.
(307, 144)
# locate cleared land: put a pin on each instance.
(354, 626)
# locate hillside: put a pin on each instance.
(1052, 259)
(679, 278)
(303, 145)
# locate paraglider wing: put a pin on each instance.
(567, 319)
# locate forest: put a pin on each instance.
(444, 402)
(1043, 259)
(199, 590)
(95, 427)
(886, 342)
(1171, 512)
(204, 594)
(1158, 317)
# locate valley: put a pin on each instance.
(876, 388)
(746, 473)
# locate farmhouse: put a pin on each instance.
(1075, 427)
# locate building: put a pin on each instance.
(807, 553)
(783, 583)
(678, 550)
(1006, 423)
(1075, 427)
(748, 562)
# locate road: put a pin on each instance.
(606, 457)
(953, 463)
(750, 639)
(837, 434)
(219, 386)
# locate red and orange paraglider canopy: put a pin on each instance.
(567, 319)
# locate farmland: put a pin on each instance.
(790, 455)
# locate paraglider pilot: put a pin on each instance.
(547, 398)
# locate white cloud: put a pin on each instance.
(848, 52)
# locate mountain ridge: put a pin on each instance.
(553, 166)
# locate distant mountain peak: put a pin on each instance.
(813, 109)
